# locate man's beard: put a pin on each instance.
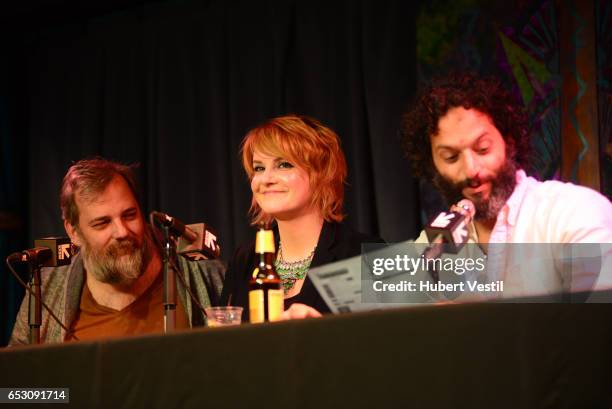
(502, 186)
(122, 262)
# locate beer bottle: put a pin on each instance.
(266, 300)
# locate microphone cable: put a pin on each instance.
(186, 287)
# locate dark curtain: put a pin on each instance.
(175, 87)
(13, 179)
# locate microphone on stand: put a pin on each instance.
(49, 252)
(175, 226)
(195, 242)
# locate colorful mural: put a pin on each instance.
(518, 42)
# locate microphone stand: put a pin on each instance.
(169, 249)
(34, 304)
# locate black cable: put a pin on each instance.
(29, 289)
(186, 287)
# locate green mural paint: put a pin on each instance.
(521, 61)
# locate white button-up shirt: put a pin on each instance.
(534, 246)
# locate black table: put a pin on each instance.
(471, 355)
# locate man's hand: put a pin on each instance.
(299, 311)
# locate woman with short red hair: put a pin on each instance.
(297, 172)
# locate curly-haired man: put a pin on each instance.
(469, 137)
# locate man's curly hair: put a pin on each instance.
(486, 95)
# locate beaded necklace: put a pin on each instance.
(291, 271)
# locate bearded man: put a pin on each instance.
(469, 137)
(114, 286)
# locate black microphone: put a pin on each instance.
(48, 252)
(175, 226)
(205, 247)
(448, 231)
(36, 255)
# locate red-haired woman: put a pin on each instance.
(297, 172)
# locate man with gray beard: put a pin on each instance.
(114, 286)
(469, 138)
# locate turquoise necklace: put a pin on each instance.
(291, 271)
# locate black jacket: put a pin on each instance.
(336, 242)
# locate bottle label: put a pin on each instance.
(256, 306)
(276, 304)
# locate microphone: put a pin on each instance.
(205, 246)
(174, 225)
(36, 255)
(448, 232)
(48, 252)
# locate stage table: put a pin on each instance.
(460, 356)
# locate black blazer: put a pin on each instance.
(336, 242)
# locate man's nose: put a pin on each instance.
(120, 229)
(471, 165)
